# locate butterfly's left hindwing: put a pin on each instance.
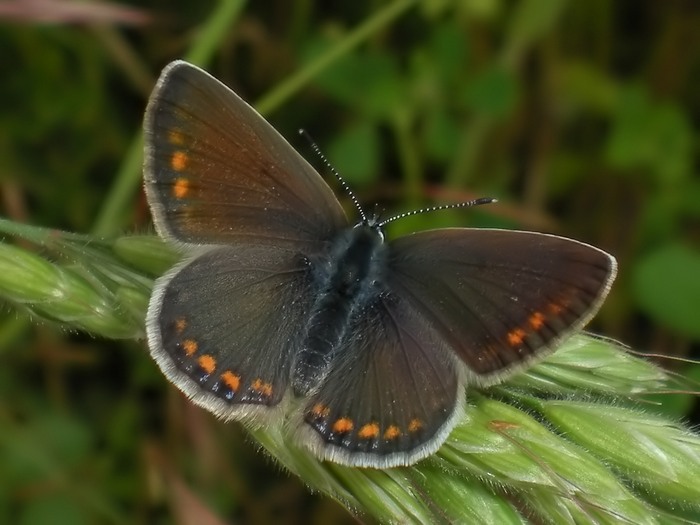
(224, 326)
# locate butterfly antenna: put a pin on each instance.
(335, 173)
(467, 204)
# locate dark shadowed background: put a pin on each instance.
(580, 117)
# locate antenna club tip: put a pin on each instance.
(485, 200)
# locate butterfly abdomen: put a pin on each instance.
(346, 278)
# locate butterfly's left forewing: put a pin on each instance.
(500, 298)
(217, 173)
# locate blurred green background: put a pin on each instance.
(580, 117)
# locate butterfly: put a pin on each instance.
(283, 308)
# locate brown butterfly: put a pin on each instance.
(285, 308)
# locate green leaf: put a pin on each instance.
(448, 51)
(667, 287)
(645, 134)
(493, 92)
(355, 153)
(441, 134)
(587, 87)
(55, 509)
(370, 83)
(532, 19)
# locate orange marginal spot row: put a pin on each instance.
(207, 363)
(535, 321)
(345, 425)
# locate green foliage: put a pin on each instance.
(664, 289)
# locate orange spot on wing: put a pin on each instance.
(320, 410)
(342, 425)
(176, 138)
(392, 432)
(516, 337)
(190, 346)
(415, 425)
(261, 387)
(557, 308)
(370, 430)
(179, 160)
(180, 325)
(207, 362)
(181, 188)
(536, 320)
(231, 380)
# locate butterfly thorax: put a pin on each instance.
(347, 277)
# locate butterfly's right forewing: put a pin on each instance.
(500, 298)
